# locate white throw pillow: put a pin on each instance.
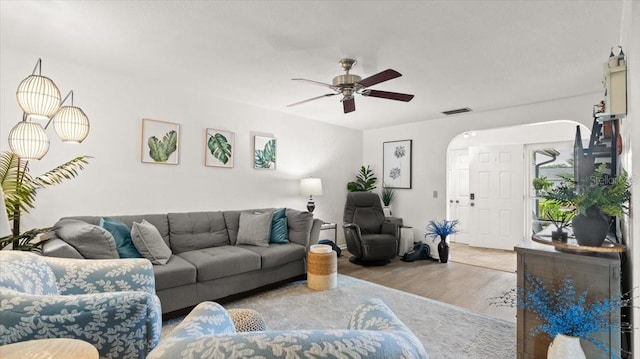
(148, 241)
(254, 229)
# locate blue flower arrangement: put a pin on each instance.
(562, 311)
(439, 229)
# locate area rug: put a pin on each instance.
(446, 331)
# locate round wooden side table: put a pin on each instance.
(59, 348)
(322, 270)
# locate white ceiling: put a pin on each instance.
(479, 54)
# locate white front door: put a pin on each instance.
(496, 195)
(458, 194)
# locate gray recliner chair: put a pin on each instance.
(370, 239)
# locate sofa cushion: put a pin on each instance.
(278, 253)
(220, 262)
(160, 221)
(232, 220)
(149, 242)
(254, 229)
(300, 224)
(175, 273)
(91, 241)
(197, 230)
(279, 227)
(122, 235)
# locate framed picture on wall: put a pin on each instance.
(218, 148)
(160, 142)
(396, 164)
(264, 152)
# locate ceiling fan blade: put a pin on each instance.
(311, 99)
(383, 76)
(388, 95)
(316, 83)
(349, 105)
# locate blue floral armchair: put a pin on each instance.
(208, 332)
(108, 303)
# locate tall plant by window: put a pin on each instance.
(20, 188)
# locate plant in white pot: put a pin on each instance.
(387, 197)
(566, 316)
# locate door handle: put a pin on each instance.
(450, 201)
(457, 201)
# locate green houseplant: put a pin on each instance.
(594, 198)
(20, 189)
(365, 181)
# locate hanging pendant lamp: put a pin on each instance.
(71, 123)
(28, 140)
(38, 95)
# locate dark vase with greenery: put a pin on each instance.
(442, 229)
(595, 199)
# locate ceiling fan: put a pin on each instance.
(348, 84)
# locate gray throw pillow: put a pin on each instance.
(254, 229)
(93, 242)
(148, 241)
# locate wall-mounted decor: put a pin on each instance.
(159, 142)
(219, 146)
(264, 150)
(396, 164)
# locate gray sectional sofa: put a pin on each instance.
(205, 262)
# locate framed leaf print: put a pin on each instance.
(264, 150)
(219, 147)
(160, 142)
(396, 164)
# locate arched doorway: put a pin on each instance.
(489, 176)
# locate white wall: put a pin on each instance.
(430, 142)
(116, 182)
(630, 130)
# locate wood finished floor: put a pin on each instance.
(463, 285)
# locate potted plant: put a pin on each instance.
(442, 229)
(387, 197)
(365, 181)
(566, 316)
(559, 216)
(594, 199)
(20, 189)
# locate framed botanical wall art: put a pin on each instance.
(160, 142)
(396, 164)
(264, 152)
(219, 147)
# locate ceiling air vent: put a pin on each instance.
(456, 111)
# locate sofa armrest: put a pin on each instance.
(123, 324)
(85, 276)
(207, 318)
(56, 247)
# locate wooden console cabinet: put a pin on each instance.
(598, 273)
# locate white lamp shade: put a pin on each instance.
(28, 140)
(38, 95)
(311, 186)
(5, 229)
(71, 124)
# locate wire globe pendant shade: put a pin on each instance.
(38, 96)
(28, 140)
(71, 124)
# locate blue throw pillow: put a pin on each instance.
(122, 234)
(279, 228)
